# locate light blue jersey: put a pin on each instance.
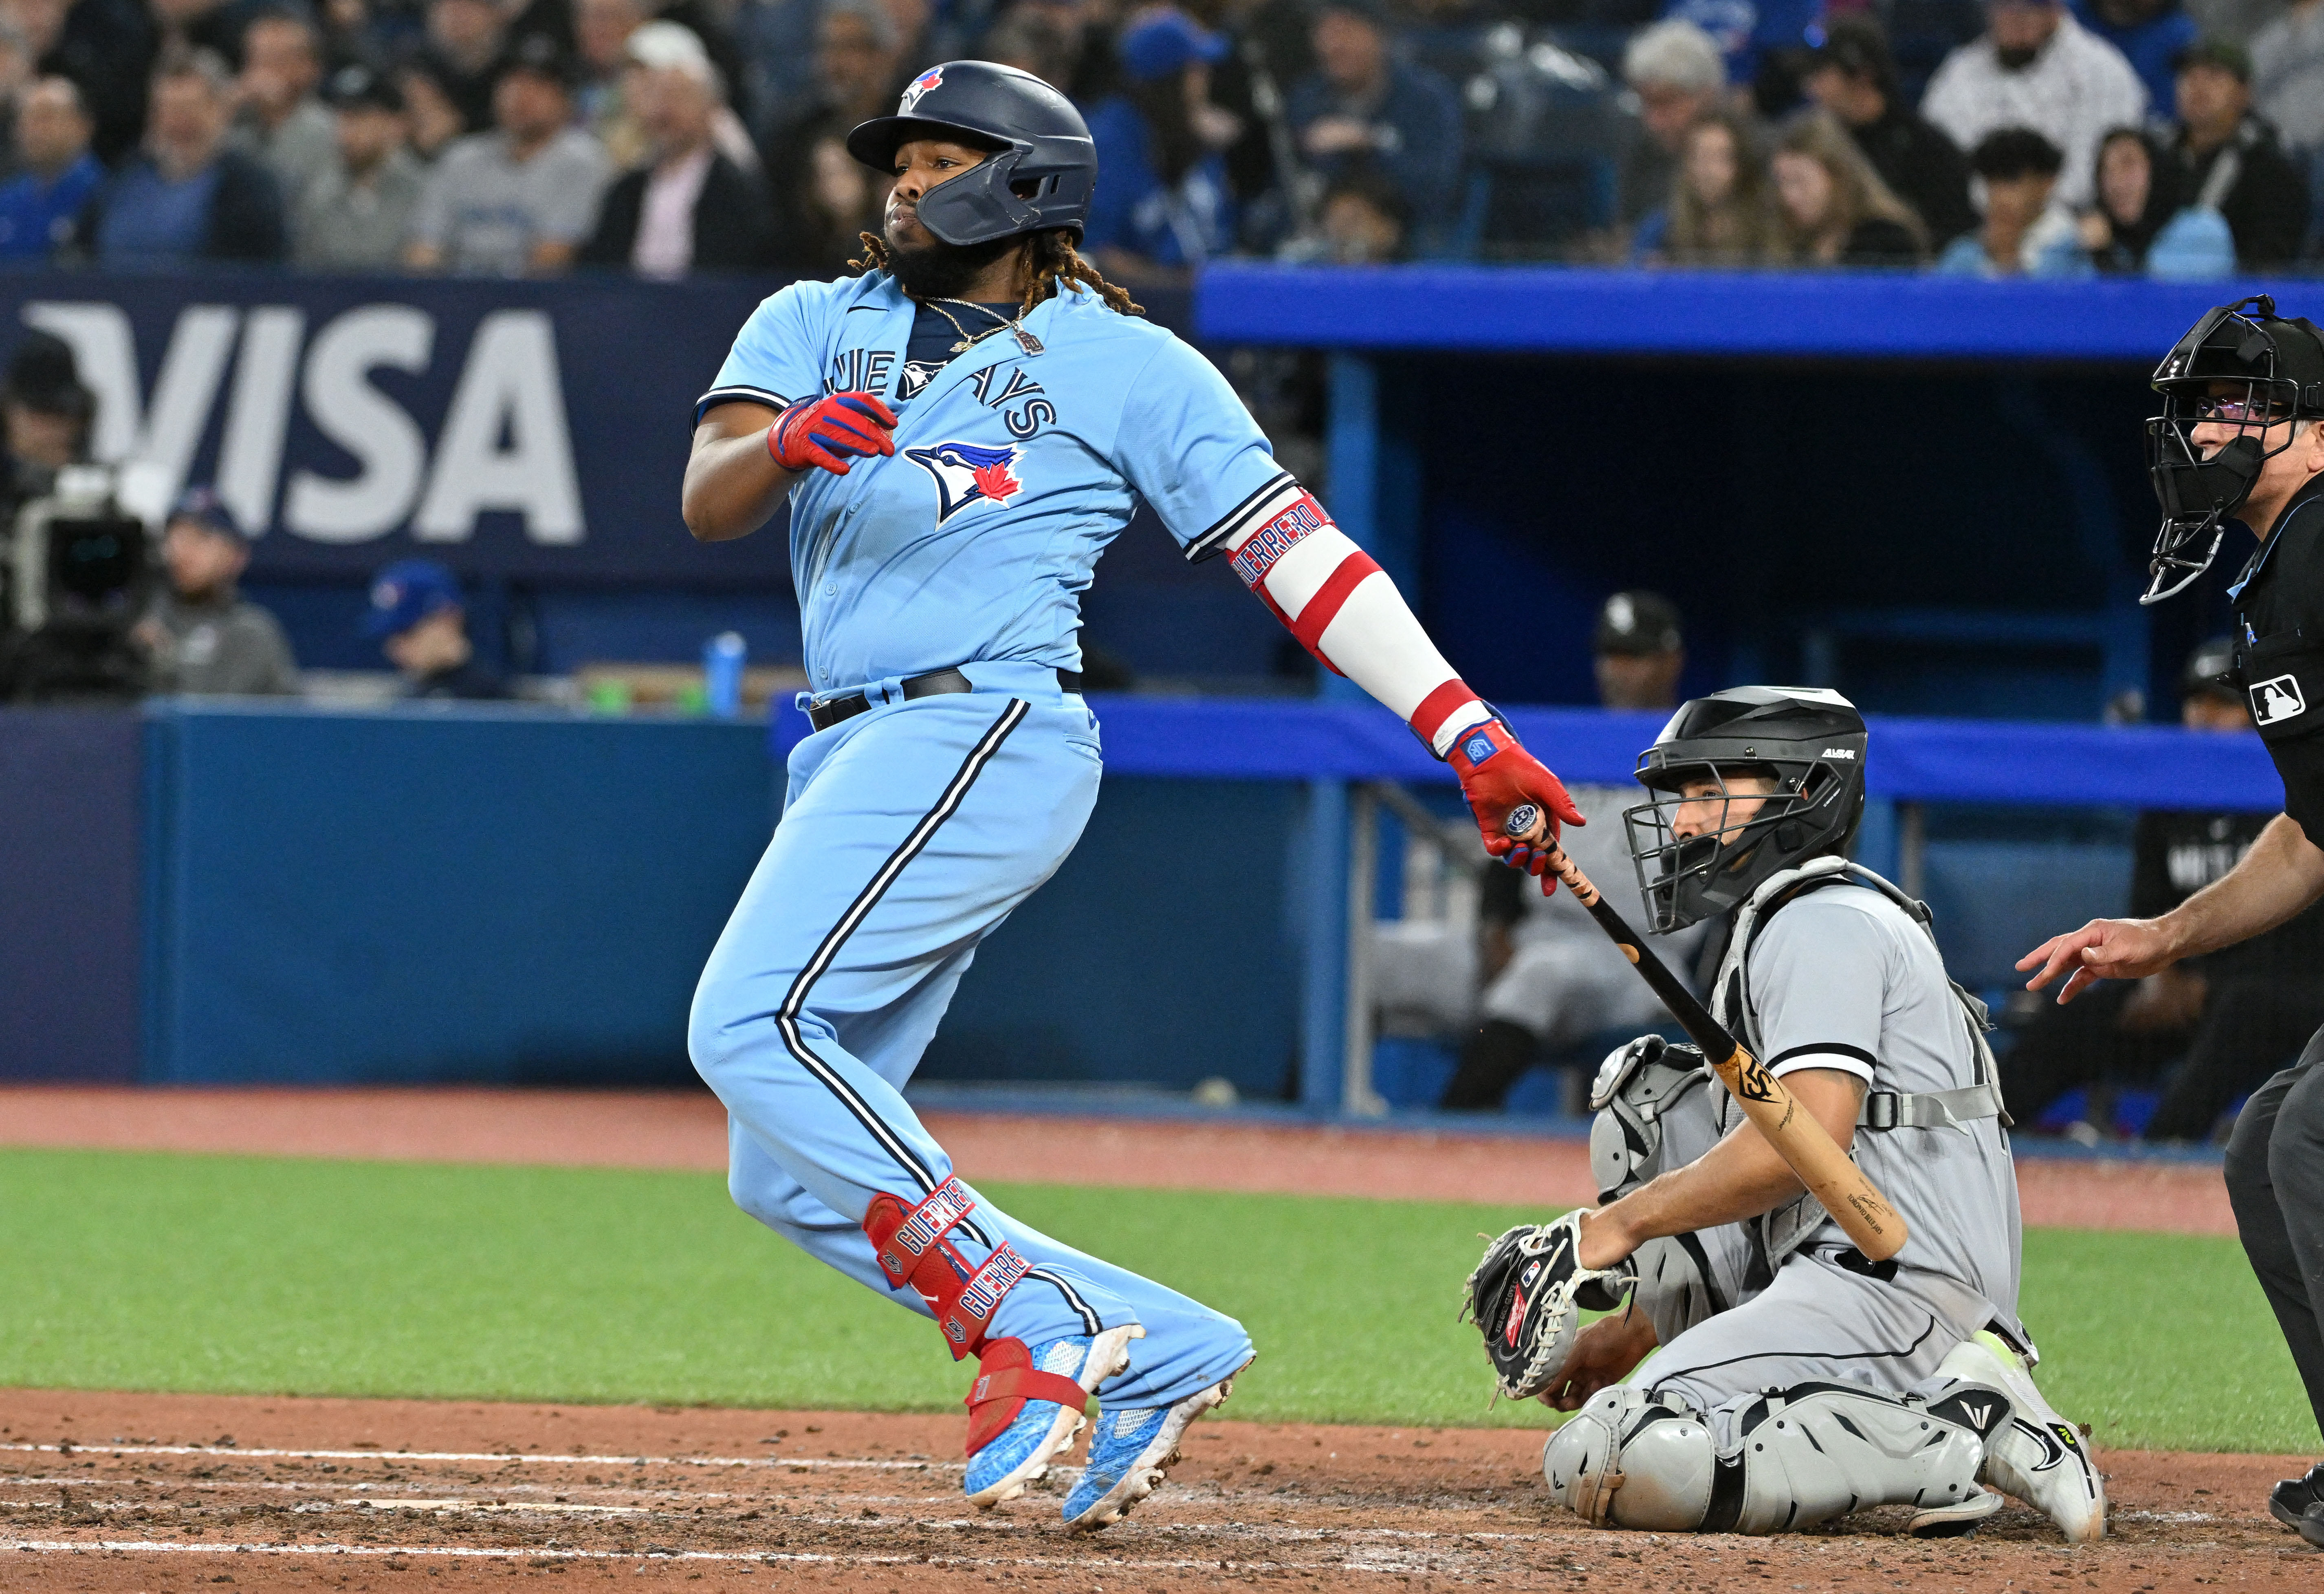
(911, 830)
(1012, 472)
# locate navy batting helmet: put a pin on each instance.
(1044, 166)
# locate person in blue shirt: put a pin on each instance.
(1165, 202)
(1749, 32)
(38, 206)
(1361, 105)
(187, 196)
(2150, 34)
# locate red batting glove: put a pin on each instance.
(1499, 778)
(831, 431)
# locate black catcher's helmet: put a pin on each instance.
(1044, 166)
(1809, 741)
(2276, 367)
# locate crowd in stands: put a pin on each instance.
(2041, 137)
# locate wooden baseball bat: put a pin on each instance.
(1798, 1139)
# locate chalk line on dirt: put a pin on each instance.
(795, 1462)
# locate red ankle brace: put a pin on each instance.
(912, 1249)
(1006, 1380)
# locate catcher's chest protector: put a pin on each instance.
(1783, 1230)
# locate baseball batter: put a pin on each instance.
(1797, 1380)
(960, 431)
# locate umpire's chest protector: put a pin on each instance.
(2280, 654)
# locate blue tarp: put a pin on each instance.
(1854, 315)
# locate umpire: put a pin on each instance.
(2241, 438)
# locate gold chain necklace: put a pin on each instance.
(1026, 340)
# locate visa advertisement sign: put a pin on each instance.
(530, 430)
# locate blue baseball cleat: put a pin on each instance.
(1026, 1406)
(1127, 1457)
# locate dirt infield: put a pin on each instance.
(687, 1129)
(122, 1492)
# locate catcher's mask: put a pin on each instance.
(1809, 742)
(2241, 365)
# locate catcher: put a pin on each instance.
(1795, 1381)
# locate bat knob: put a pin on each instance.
(1522, 821)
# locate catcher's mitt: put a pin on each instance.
(1521, 1297)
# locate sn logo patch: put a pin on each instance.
(2276, 701)
(1477, 749)
(968, 473)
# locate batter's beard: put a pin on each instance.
(938, 270)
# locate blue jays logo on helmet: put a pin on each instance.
(931, 78)
(968, 473)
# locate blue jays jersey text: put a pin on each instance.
(1013, 470)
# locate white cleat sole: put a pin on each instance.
(1154, 1461)
(1109, 1354)
(1953, 1522)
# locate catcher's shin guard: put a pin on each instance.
(912, 1248)
(1795, 1458)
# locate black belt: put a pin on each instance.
(831, 711)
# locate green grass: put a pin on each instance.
(262, 1275)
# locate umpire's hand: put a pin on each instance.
(2103, 949)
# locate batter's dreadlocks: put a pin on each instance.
(1054, 262)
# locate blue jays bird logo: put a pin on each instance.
(966, 474)
(931, 78)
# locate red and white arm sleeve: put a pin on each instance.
(1345, 611)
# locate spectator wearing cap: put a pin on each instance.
(1853, 76)
(203, 635)
(422, 626)
(1543, 984)
(2035, 66)
(1674, 69)
(692, 208)
(280, 121)
(2149, 33)
(1164, 204)
(356, 216)
(2025, 231)
(2230, 160)
(187, 196)
(1362, 106)
(46, 413)
(58, 176)
(2288, 76)
(520, 199)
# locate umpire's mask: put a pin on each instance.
(1810, 743)
(2241, 365)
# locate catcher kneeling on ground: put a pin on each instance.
(1795, 1381)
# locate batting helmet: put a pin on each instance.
(1044, 165)
(1809, 741)
(2241, 365)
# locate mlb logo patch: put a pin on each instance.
(2275, 701)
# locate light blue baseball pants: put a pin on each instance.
(909, 833)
